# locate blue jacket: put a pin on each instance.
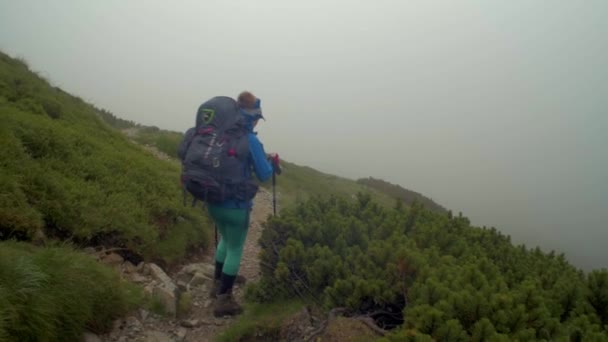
(257, 163)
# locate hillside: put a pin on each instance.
(66, 174)
(297, 183)
(341, 262)
(69, 181)
(397, 191)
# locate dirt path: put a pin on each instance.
(250, 269)
(198, 324)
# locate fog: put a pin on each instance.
(497, 109)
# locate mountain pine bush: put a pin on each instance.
(426, 274)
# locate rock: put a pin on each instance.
(166, 294)
(138, 278)
(180, 334)
(128, 267)
(191, 323)
(188, 269)
(204, 268)
(140, 267)
(183, 286)
(165, 291)
(199, 279)
(90, 337)
(133, 322)
(158, 273)
(143, 314)
(157, 336)
(149, 289)
(145, 269)
(184, 277)
(112, 259)
(295, 326)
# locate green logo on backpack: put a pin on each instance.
(208, 115)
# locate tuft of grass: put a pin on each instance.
(55, 293)
(260, 320)
(184, 304)
(155, 305)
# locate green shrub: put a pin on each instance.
(426, 274)
(55, 293)
(261, 321)
(52, 107)
(66, 172)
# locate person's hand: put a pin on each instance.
(273, 158)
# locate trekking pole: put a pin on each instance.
(274, 192)
(276, 169)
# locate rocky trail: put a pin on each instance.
(183, 293)
(188, 287)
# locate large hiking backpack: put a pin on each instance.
(215, 154)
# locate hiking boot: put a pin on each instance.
(226, 306)
(215, 288)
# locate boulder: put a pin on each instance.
(112, 259)
(199, 279)
(165, 290)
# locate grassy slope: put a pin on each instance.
(67, 174)
(397, 191)
(296, 183)
(54, 293)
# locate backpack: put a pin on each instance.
(215, 154)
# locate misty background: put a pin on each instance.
(497, 109)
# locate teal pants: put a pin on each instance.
(232, 225)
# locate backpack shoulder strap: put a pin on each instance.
(185, 143)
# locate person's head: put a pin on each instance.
(246, 100)
(250, 106)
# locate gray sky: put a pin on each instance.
(497, 109)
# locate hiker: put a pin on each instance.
(232, 215)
